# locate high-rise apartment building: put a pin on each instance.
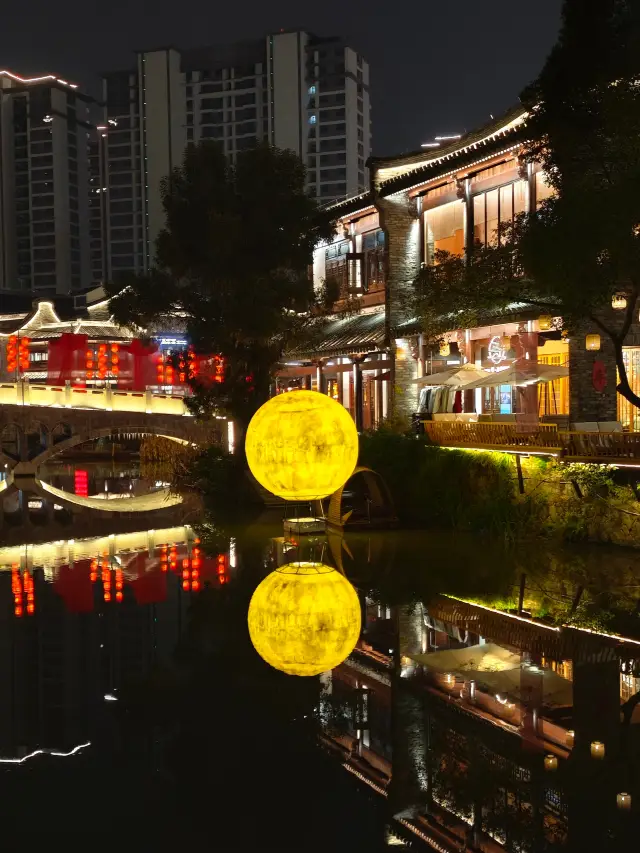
(292, 89)
(44, 184)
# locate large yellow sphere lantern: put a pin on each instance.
(304, 618)
(302, 445)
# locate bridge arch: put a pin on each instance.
(381, 509)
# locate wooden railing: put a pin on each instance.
(616, 447)
(601, 445)
(488, 435)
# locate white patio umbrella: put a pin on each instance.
(456, 377)
(521, 375)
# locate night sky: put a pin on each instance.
(437, 66)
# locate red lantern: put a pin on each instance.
(23, 353)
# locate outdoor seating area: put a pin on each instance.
(597, 444)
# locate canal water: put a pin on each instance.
(490, 703)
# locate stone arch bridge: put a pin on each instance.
(30, 435)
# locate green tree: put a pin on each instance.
(232, 266)
(583, 245)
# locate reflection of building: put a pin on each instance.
(492, 731)
(291, 89)
(84, 619)
(374, 357)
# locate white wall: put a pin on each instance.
(289, 92)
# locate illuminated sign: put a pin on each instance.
(497, 353)
(177, 342)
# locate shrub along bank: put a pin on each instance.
(478, 491)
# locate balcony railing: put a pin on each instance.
(606, 447)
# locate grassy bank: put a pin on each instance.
(478, 491)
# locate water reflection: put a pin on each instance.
(470, 711)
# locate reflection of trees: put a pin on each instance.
(481, 775)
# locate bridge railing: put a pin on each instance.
(105, 399)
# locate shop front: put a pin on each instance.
(511, 371)
(349, 364)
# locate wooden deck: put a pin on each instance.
(613, 448)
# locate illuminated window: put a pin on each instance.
(444, 230)
(495, 208)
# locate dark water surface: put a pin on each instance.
(134, 710)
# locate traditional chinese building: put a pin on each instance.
(374, 357)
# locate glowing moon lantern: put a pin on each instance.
(302, 445)
(304, 618)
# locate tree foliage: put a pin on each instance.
(583, 245)
(232, 266)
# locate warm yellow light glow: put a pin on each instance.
(544, 322)
(592, 342)
(302, 445)
(597, 749)
(623, 801)
(619, 301)
(550, 762)
(304, 618)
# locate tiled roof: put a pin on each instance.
(98, 330)
(346, 336)
(429, 164)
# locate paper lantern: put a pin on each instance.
(304, 618)
(597, 749)
(302, 445)
(619, 302)
(505, 342)
(592, 343)
(623, 801)
(550, 762)
(570, 738)
(445, 348)
(544, 322)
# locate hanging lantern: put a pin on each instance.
(302, 445)
(23, 354)
(623, 801)
(304, 618)
(550, 762)
(592, 343)
(544, 322)
(570, 738)
(445, 348)
(619, 301)
(505, 342)
(597, 749)
(12, 353)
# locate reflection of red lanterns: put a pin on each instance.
(81, 482)
(16, 589)
(222, 569)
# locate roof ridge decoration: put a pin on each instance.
(390, 178)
